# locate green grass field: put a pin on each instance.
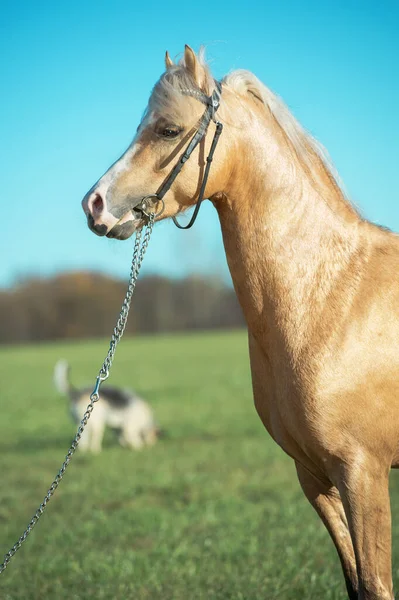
(212, 511)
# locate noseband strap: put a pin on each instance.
(212, 104)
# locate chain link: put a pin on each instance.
(138, 255)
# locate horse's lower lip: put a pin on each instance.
(123, 231)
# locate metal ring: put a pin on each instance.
(103, 375)
(144, 210)
(158, 214)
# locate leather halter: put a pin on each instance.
(212, 104)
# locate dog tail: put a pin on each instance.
(61, 378)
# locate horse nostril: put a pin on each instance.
(97, 204)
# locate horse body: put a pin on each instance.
(316, 285)
(319, 289)
(323, 341)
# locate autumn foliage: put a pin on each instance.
(83, 304)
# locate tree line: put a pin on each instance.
(83, 304)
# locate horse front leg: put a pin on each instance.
(326, 500)
(363, 486)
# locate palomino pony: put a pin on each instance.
(318, 285)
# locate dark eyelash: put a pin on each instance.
(170, 132)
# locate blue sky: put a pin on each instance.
(75, 78)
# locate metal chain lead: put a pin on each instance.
(138, 255)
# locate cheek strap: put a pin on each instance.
(213, 103)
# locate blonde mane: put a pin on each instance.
(311, 155)
(171, 95)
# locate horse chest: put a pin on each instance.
(280, 417)
(286, 412)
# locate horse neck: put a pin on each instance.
(287, 240)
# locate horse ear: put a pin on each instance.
(168, 61)
(193, 66)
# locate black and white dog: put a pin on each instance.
(119, 409)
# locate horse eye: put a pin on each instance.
(170, 132)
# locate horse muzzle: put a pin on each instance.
(119, 224)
